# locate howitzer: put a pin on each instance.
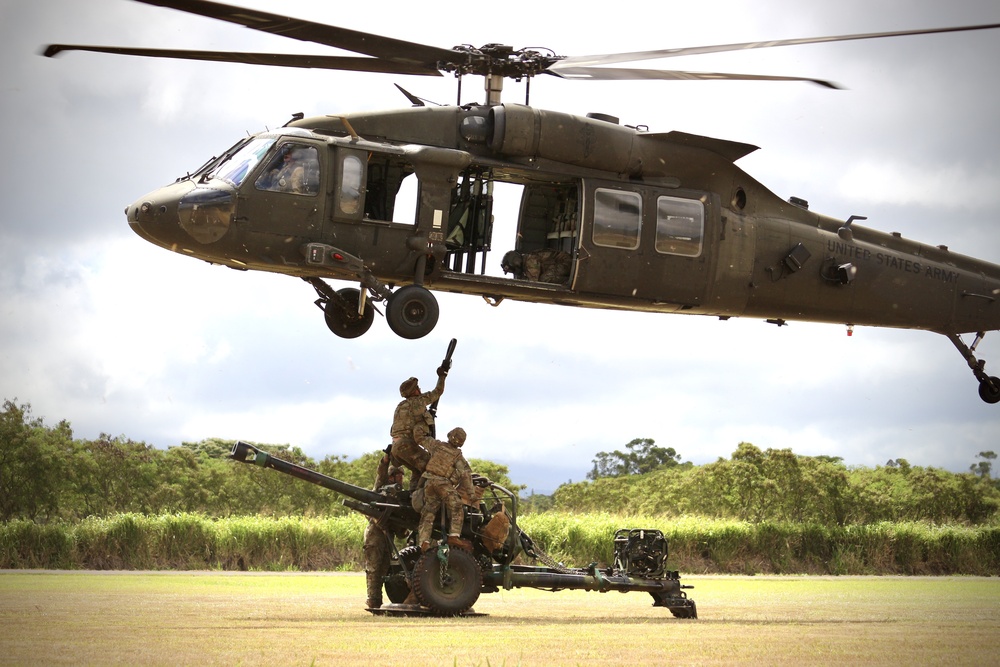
(447, 580)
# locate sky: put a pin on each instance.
(117, 336)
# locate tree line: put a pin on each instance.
(47, 475)
(776, 485)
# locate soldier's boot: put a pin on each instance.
(461, 542)
(411, 599)
(374, 592)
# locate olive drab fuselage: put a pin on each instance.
(636, 221)
(654, 222)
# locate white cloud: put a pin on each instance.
(893, 182)
(115, 335)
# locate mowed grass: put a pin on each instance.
(318, 619)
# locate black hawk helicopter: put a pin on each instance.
(610, 216)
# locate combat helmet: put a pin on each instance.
(407, 387)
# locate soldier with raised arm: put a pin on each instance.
(412, 422)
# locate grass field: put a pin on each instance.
(318, 619)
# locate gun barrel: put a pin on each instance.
(398, 519)
(246, 453)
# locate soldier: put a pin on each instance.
(287, 172)
(447, 480)
(377, 547)
(412, 422)
(547, 266)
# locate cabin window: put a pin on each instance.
(680, 226)
(294, 169)
(352, 171)
(617, 218)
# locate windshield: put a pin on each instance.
(235, 168)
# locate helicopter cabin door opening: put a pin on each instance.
(647, 243)
(386, 186)
(532, 223)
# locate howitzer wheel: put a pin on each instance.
(453, 590)
(397, 589)
(397, 584)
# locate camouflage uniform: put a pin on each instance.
(377, 546)
(553, 265)
(411, 423)
(448, 480)
(547, 266)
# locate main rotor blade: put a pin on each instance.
(633, 74)
(577, 61)
(368, 44)
(356, 64)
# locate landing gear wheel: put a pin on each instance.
(447, 588)
(345, 321)
(412, 312)
(989, 390)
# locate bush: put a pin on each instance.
(696, 544)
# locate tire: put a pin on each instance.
(412, 312)
(397, 589)
(345, 322)
(990, 394)
(397, 583)
(462, 581)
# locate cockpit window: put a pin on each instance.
(242, 162)
(294, 169)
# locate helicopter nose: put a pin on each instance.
(182, 215)
(151, 221)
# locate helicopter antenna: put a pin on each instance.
(414, 100)
(845, 232)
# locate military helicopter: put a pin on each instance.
(610, 216)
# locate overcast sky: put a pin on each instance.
(115, 335)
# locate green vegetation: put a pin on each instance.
(115, 503)
(46, 475)
(697, 545)
(776, 485)
(642, 456)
